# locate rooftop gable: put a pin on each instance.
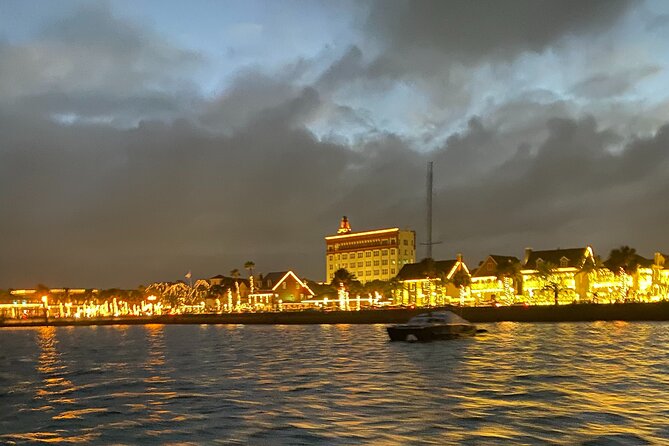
(561, 258)
(496, 261)
(273, 280)
(430, 269)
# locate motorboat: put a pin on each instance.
(432, 326)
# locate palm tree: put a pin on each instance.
(548, 273)
(250, 266)
(510, 269)
(234, 273)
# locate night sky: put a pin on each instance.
(141, 140)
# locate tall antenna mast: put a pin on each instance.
(429, 243)
(429, 210)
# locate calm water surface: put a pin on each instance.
(580, 383)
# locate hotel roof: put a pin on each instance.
(362, 233)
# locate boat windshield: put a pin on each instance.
(438, 318)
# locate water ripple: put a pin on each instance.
(535, 384)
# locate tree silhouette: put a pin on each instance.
(461, 279)
(623, 260)
(250, 266)
(343, 277)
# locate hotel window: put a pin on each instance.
(376, 253)
(368, 273)
(344, 256)
(368, 253)
(384, 252)
(406, 242)
(283, 285)
(368, 263)
(376, 263)
(385, 271)
(376, 272)
(344, 265)
(392, 270)
(360, 255)
(331, 267)
(564, 262)
(337, 257)
(384, 262)
(360, 264)
(392, 252)
(330, 257)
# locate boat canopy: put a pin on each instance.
(441, 317)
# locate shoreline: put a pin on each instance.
(658, 311)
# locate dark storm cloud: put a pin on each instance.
(426, 35)
(349, 66)
(611, 85)
(107, 206)
(251, 91)
(572, 191)
(94, 64)
(157, 199)
(205, 185)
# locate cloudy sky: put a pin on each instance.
(141, 140)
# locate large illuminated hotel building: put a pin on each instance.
(370, 255)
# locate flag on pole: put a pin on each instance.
(188, 275)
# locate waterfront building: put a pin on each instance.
(497, 280)
(608, 286)
(377, 254)
(660, 276)
(642, 279)
(615, 283)
(434, 283)
(558, 275)
(280, 291)
(234, 284)
(66, 302)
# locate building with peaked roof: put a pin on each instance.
(433, 283)
(660, 276)
(496, 281)
(557, 275)
(280, 291)
(231, 283)
(377, 254)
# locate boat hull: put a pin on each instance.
(429, 333)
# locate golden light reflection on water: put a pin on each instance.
(51, 369)
(517, 384)
(158, 390)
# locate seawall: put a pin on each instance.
(549, 313)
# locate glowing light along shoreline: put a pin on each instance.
(541, 313)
